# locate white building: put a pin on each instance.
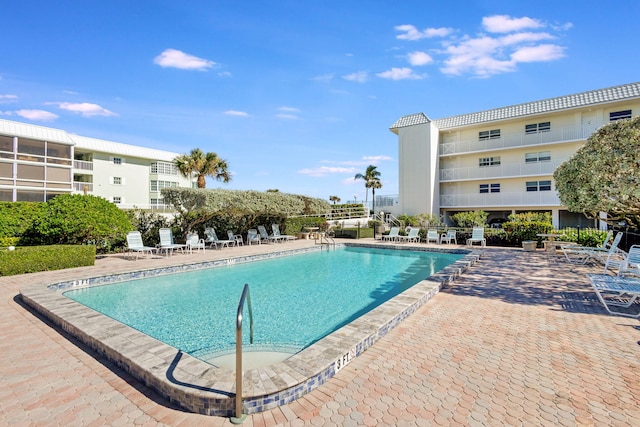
(38, 163)
(501, 160)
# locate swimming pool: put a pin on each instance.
(297, 300)
(200, 387)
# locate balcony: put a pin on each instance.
(476, 200)
(82, 165)
(501, 171)
(554, 136)
(80, 186)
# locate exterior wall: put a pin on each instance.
(418, 178)
(449, 180)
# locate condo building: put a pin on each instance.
(38, 163)
(502, 160)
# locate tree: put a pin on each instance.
(371, 179)
(202, 165)
(604, 174)
(334, 199)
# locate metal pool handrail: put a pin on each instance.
(240, 417)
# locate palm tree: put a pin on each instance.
(334, 199)
(202, 165)
(371, 180)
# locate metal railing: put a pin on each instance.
(246, 295)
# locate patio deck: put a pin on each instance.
(518, 339)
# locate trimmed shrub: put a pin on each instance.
(470, 219)
(78, 219)
(16, 217)
(293, 226)
(31, 259)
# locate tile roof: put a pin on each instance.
(598, 96)
(410, 120)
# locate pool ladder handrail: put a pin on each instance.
(324, 240)
(246, 295)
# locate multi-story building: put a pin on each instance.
(38, 163)
(502, 161)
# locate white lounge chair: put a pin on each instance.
(614, 291)
(237, 238)
(625, 263)
(213, 241)
(393, 234)
(276, 233)
(266, 236)
(448, 237)
(432, 235)
(166, 242)
(135, 244)
(253, 237)
(477, 236)
(195, 242)
(583, 254)
(412, 236)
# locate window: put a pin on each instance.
(164, 168)
(619, 115)
(486, 135)
(538, 185)
(489, 188)
(489, 161)
(537, 127)
(117, 160)
(117, 200)
(117, 180)
(159, 185)
(542, 156)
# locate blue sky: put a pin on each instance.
(298, 95)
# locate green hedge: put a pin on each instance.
(296, 225)
(17, 217)
(30, 259)
(354, 233)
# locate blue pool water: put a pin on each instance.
(296, 300)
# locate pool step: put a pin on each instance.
(250, 359)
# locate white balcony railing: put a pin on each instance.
(569, 133)
(500, 171)
(476, 200)
(81, 186)
(83, 165)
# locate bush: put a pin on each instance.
(31, 259)
(526, 226)
(470, 219)
(588, 236)
(9, 241)
(17, 217)
(295, 225)
(148, 224)
(78, 219)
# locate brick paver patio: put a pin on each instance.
(520, 339)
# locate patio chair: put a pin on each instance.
(167, 244)
(433, 235)
(583, 254)
(626, 264)
(276, 233)
(253, 237)
(266, 236)
(237, 238)
(213, 241)
(477, 236)
(393, 234)
(412, 235)
(614, 291)
(135, 244)
(195, 242)
(448, 237)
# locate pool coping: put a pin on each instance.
(202, 388)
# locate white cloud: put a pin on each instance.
(289, 109)
(8, 98)
(172, 58)
(359, 77)
(412, 33)
(36, 115)
(287, 116)
(236, 113)
(377, 159)
(507, 24)
(326, 170)
(85, 109)
(325, 78)
(419, 58)
(224, 74)
(400, 74)
(543, 52)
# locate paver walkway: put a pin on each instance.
(519, 339)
